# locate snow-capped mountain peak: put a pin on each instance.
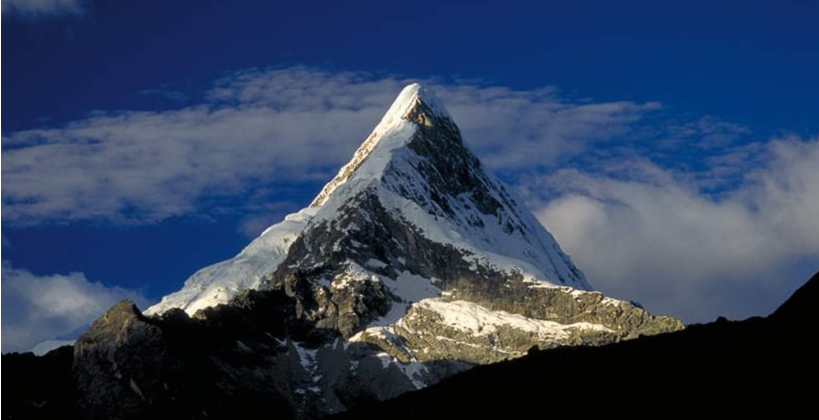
(413, 171)
(410, 265)
(410, 98)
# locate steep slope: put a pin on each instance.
(221, 282)
(415, 165)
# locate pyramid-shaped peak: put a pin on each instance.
(410, 98)
(414, 92)
(415, 105)
(413, 177)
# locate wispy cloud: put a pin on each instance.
(171, 95)
(37, 309)
(653, 236)
(41, 8)
(263, 126)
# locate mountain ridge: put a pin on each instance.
(411, 265)
(722, 367)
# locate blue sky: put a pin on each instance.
(667, 145)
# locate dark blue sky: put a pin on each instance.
(753, 64)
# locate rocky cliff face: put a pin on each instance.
(251, 358)
(411, 265)
(480, 327)
(726, 368)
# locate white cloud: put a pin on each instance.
(261, 127)
(37, 309)
(42, 8)
(48, 345)
(652, 237)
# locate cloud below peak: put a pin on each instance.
(663, 241)
(37, 309)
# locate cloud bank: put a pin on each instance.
(36, 309)
(651, 236)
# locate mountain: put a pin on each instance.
(413, 232)
(755, 367)
(411, 265)
(413, 170)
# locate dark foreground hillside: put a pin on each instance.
(751, 367)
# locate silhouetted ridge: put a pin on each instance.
(801, 306)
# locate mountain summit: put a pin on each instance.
(412, 264)
(413, 170)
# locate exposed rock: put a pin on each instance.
(121, 350)
(758, 366)
(546, 317)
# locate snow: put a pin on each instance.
(385, 359)
(478, 320)
(220, 282)
(407, 287)
(537, 260)
(308, 360)
(376, 263)
(412, 288)
(392, 124)
(414, 371)
(577, 294)
(353, 273)
(243, 347)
